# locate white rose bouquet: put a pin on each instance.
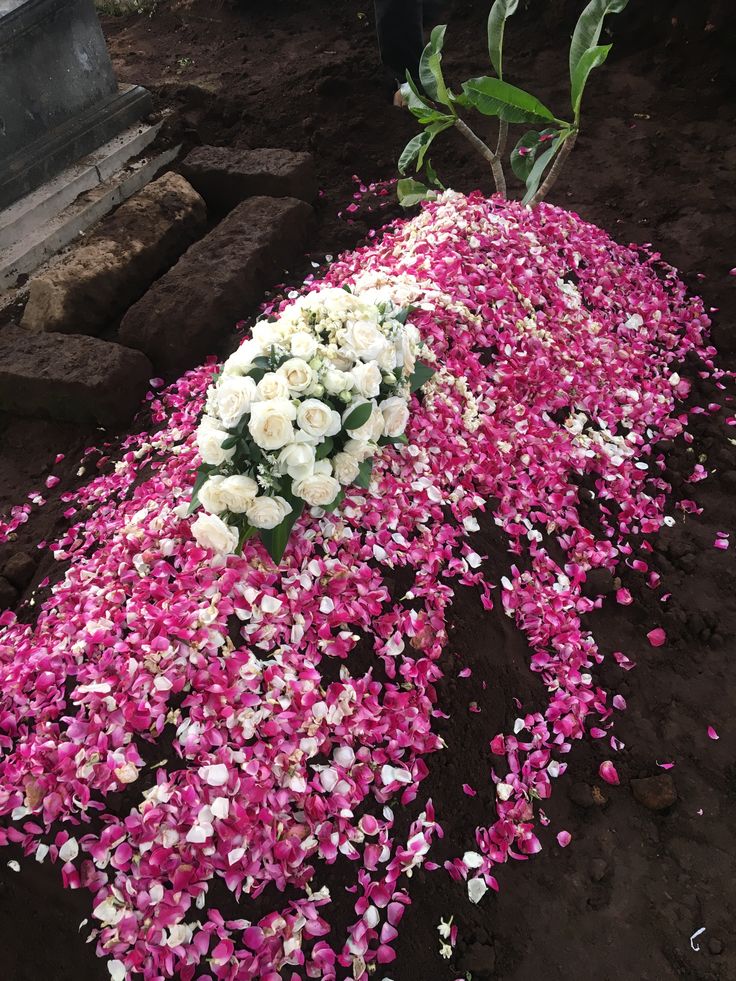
(299, 411)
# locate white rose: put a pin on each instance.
(314, 417)
(299, 376)
(395, 415)
(270, 423)
(364, 338)
(237, 492)
(233, 398)
(240, 362)
(336, 381)
(345, 467)
(360, 449)
(297, 459)
(210, 495)
(267, 512)
(387, 357)
(266, 335)
(407, 348)
(212, 532)
(318, 489)
(367, 379)
(303, 345)
(209, 443)
(272, 386)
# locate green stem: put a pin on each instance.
(493, 159)
(555, 170)
(503, 134)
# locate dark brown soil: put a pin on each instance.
(655, 163)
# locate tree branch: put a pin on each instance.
(493, 159)
(503, 133)
(555, 170)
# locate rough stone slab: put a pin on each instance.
(95, 283)
(186, 314)
(225, 176)
(70, 377)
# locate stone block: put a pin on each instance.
(70, 377)
(95, 283)
(225, 176)
(187, 313)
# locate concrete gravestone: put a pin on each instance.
(59, 99)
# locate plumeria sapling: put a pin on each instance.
(540, 153)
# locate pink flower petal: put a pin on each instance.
(607, 771)
(657, 637)
(712, 734)
(564, 838)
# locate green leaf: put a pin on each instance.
(364, 475)
(401, 316)
(420, 107)
(540, 165)
(588, 31)
(391, 440)
(500, 10)
(411, 151)
(493, 97)
(359, 416)
(592, 58)
(227, 444)
(532, 142)
(430, 67)
(434, 129)
(422, 373)
(432, 176)
(325, 448)
(411, 192)
(275, 539)
(202, 474)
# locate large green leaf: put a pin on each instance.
(418, 105)
(525, 152)
(588, 29)
(434, 129)
(275, 539)
(500, 11)
(422, 373)
(493, 97)
(430, 67)
(411, 151)
(364, 475)
(359, 416)
(592, 58)
(411, 192)
(540, 165)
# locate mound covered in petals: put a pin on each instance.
(296, 703)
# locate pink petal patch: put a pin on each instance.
(467, 789)
(712, 734)
(564, 838)
(657, 637)
(666, 766)
(607, 771)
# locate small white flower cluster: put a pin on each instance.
(299, 411)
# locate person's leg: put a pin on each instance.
(400, 36)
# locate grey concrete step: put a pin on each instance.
(70, 204)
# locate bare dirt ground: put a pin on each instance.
(655, 163)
